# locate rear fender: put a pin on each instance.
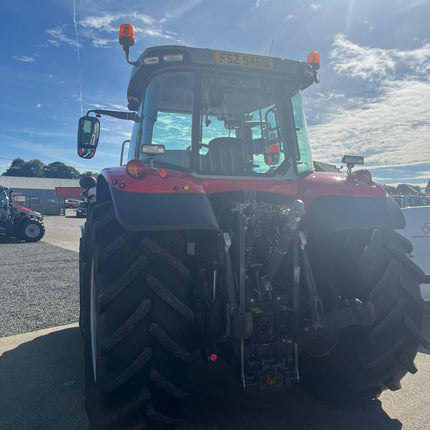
(159, 211)
(330, 214)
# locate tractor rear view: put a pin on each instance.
(18, 221)
(219, 237)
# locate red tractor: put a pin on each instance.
(219, 236)
(18, 221)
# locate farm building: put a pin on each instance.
(44, 195)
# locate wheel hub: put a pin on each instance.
(32, 231)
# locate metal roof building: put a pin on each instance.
(37, 183)
(44, 195)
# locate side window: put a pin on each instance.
(167, 117)
(267, 135)
(133, 149)
(304, 155)
(173, 130)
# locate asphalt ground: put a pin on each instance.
(41, 373)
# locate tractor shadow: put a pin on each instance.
(426, 333)
(43, 388)
(7, 239)
(42, 383)
(218, 403)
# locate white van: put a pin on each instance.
(417, 230)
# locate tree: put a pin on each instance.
(15, 168)
(33, 168)
(37, 169)
(60, 170)
(89, 173)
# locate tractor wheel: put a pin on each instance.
(137, 326)
(372, 266)
(31, 230)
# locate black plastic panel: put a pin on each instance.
(336, 213)
(149, 212)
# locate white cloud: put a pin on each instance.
(103, 23)
(291, 17)
(24, 58)
(98, 29)
(387, 119)
(258, 3)
(39, 105)
(58, 37)
(182, 8)
(100, 43)
(367, 63)
(315, 6)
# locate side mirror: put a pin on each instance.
(88, 136)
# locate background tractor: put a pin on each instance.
(18, 221)
(219, 236)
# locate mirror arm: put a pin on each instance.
(130, 116)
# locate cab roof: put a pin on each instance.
(298, 73)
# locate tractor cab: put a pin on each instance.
(221, 114)
(215, 113)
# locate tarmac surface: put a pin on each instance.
(41, 372)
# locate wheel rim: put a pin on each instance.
(93, 327)
(32, 231)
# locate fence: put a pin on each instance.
(411, 200)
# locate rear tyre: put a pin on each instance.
(373, 266)
(137, 322)
(31, 230)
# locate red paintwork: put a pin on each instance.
(69, 192)
(336, 184)
(306, 188)
(23, 210)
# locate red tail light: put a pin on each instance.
(162, 173)
(136, 169)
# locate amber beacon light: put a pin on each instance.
(314, 60)
(126, 35)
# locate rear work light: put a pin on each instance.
(136, 169)
(173, 57)
(151, 60)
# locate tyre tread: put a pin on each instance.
(135, 367)
(122, 283)
(166, 256)
(129, 325)
(169, 344)
(167, 296)
(165, 385)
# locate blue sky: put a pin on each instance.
(373, 98)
